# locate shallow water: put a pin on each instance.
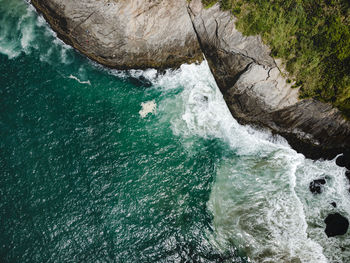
(112, 166)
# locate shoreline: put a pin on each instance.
(241, 67)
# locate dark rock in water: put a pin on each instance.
(140, 81)
(347, 174)
(343, 160)
(316, 186)
(320, 181)
(334, 204)
(336, 225)
(201, 98)
(340, 161)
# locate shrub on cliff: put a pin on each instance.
(311, 36)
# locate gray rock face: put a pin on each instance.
(313, 128)
(125, 34)
(256, 91)
(166, 33)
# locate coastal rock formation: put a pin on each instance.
(316, 186)
(125, 34)
(256, 91)
(344, 160)
(166, 33)
(336, 225)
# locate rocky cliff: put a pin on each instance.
(125, 34)
(256, 91)
(166, 33)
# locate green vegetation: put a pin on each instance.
(311, 36)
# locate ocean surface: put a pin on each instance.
(99, 165)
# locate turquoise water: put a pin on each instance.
(86, 178)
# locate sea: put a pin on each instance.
(102, 165)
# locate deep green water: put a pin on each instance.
(84, 178)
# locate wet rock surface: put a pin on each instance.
(316, 186)
(336, 225)
(344, 160)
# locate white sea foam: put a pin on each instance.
(260, 200)
(17, 39)
(46, 57)
(149, 74)
(9, 50)
(147, 107)
(26, 27)
(80, 81)
(22, 30)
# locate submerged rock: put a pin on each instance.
(336, 225)
(347, 174)
(343, 160)
(316, 186)
(201, 98)
(340, 161)
(334, 204)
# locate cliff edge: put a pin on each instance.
(256, 91)
(125, 34)
(165, 33)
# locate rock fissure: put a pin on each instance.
(268, 74)
(239, 74)
(78, 25)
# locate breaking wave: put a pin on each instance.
(260, 200)
(21, 32)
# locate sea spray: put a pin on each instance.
(78, 80)
(256, 200)
(22, 32)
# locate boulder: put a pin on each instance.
(343, 160)
(340, 161)
(316, 186)
(336, 225)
